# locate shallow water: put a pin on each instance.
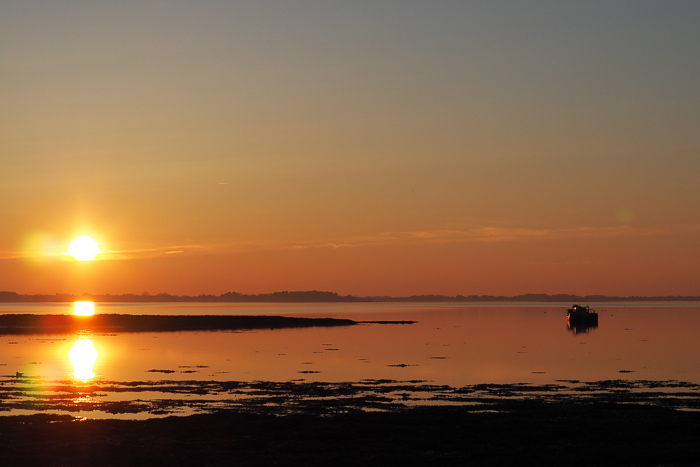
(449, 344)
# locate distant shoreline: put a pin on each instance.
(330, 297)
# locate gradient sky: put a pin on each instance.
(363, 147)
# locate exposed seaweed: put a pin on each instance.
(186, 397)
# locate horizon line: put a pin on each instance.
(316, 296)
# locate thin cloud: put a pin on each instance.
(11, 255)
(486, 234)
(143, 253)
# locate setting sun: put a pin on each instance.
(83, 248)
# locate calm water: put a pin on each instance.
(449, 344)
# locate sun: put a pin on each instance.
(83, 248)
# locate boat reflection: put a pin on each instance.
(83, 308)
(82, 356)
(581, 328)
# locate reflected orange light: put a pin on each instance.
(83, 308)
(83, 356)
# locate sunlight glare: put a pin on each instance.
(83, 356)
(83, 308)
(83, 248)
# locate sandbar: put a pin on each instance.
(47, 324)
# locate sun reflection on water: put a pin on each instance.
(83, 308)
(83, 356)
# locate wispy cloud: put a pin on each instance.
(9, 255)
(142, 253)
(483, 234)
(105, 254)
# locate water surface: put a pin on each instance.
(449, 344)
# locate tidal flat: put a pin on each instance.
(382, 422)
(159, 398)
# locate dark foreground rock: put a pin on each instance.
(526, 433)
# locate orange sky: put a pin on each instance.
(399, 149)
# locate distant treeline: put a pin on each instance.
(278, 297)
(326, 297)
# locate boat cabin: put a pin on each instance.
(581, 313)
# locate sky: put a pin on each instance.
(365, 147)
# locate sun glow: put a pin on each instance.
(83, 356)
(83, 248)
(84, 308)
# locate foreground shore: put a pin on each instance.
(521, 433)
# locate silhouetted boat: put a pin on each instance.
(581, 314)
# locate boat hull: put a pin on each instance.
(588, 318)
